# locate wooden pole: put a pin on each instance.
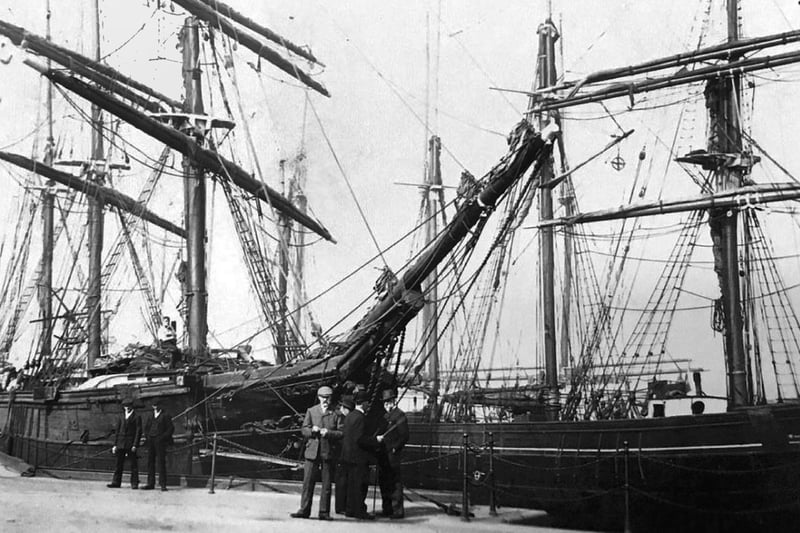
(95, 174)
(546, 77)
(46, 280)
(194, 197)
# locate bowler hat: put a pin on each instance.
(347, 401)
(325, 391)
(127, 403)
(361, 397)
(155, 402)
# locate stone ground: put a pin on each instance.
(44, 503)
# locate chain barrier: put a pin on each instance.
(259, 453)
(594, 462)
(431, 459)
(485, 478)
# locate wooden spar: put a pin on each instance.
(546, 76)
(176, 140)
(234, 15)
(738, 198)
(635, 87)
(403, 300)
(720, 51)
(103, 75)
(194, 187)
(45, 282)
(203, 12)
(95, 220)
(430, 313)
(724, 115)
(108, 195)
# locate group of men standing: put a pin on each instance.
(343, 443)
(340, 443)
(157, 433)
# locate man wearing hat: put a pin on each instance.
(320, 431)
(128, 434)
(158, 435)
(357, 446)
(395, 437)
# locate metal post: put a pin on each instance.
(627, 491)
(213, 464)
(465, 488)
(493, 486)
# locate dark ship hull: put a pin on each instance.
(696, 472)
(75, 431)
(72, 430)
(701, 473)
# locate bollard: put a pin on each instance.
(627, 492)
(465, 489)
(492, 487)
(213, 464)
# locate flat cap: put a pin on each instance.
(325, 391)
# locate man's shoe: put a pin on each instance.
(113, 486)
(397, 517)
(134, 487)
(386, 514)
(163, 489)
(325, 516)
(298, 514)
(365, 516)
(148, 487)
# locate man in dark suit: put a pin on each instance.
(345, 407)
(321, 432)
(158, 435)
(357, 446)
(128, 434)
(395, 437)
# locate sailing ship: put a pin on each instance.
(610, 431)
(70, 388)
(603, 437)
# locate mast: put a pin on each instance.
(46, 280)
(194, 195)
(95, 173)
(722, 100)
(430, 312)
(567, 199)
(283, 275)
(297, 197)
(546, 77)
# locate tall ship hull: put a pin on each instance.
(697, 472)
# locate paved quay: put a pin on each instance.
(44, 503)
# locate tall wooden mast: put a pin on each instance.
(46, 278)
(95, 173)
(722, 101)
(430, 313)
(546, 77)
(194, 194)
(285, 229)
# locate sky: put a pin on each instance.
(398, 72)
